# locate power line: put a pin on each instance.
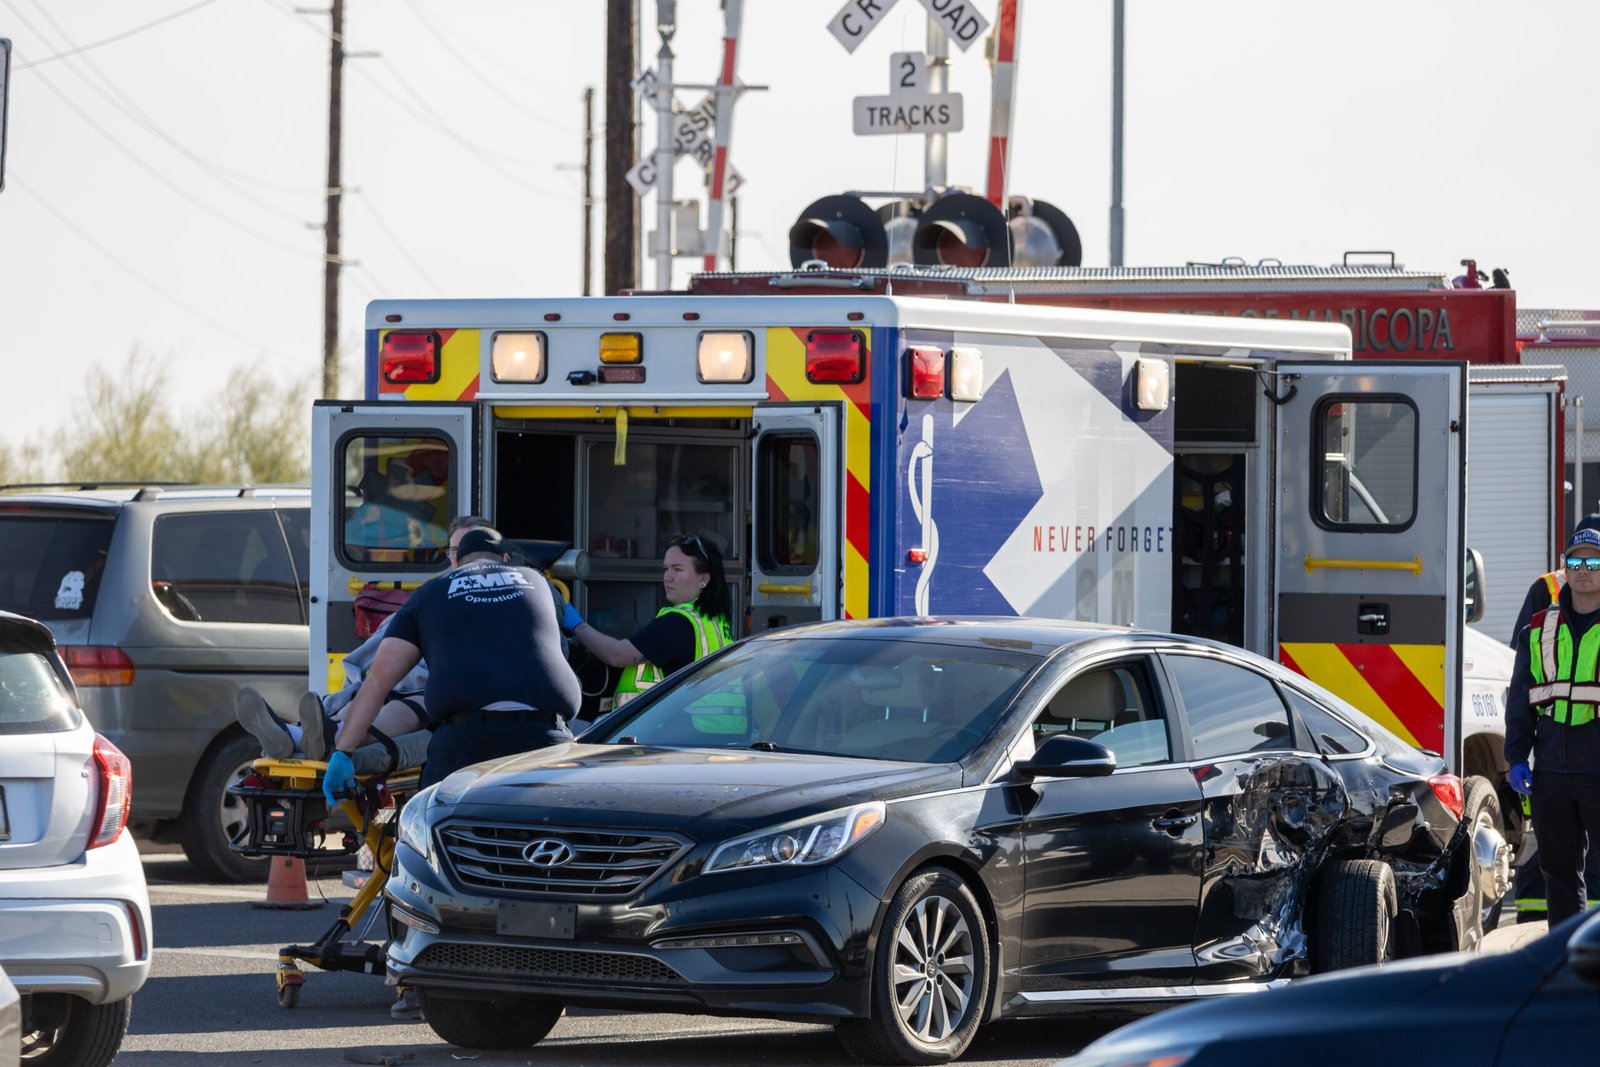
(111, 40)
(139, 276)
(416, 264)
(122, 102)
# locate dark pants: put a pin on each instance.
(1567, 814)
(1528, 883)
(463, 742)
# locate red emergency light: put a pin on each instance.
(838, 356)
(927, 372)
(409, 357)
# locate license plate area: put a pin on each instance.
(526, 918)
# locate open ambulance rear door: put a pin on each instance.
(1369, 539)
(389, 478)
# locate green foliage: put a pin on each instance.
(251, 431)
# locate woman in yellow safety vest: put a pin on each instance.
(693, 624)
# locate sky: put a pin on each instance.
(165, 159)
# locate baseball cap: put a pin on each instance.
(483, 539)
(1584, 537)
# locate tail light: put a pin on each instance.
(1451, 793)
(836, 356)
(927, 372)
(409, 357)
(95, 665)
(113, 792)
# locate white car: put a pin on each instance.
(74, 910)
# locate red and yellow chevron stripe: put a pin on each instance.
(458, 369)
(786, 381)
(1401, 686)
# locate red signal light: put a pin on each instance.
(927, 372)
(409, 357)
(836, 356)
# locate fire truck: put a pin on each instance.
(872, 453)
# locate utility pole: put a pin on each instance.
(1117, 18)
(588, 189)
(330, 228)
(666, 26)
(622, 240)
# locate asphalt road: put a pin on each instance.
(211, 1001)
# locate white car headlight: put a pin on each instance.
(820, 839)
(414, 823)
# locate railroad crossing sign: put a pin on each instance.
(960, 20)
(909, 107)
(692, 135)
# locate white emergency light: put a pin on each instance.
(518, 357)
(1151, 384)
(726, 357)
(966, 374)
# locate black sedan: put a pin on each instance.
(1536, 1005)
(908, 827)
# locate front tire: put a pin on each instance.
(1483, 813)
(930, 977)
(212, 817)
(71, 1032)
(1356, 906)
(518, 1021)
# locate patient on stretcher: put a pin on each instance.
(396, 741)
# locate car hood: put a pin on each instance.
(632, 785)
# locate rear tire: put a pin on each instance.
(517, 1021)
(81, 1035)
(1483, 810)
(1356, 906)
(211, 817)
(930, 977)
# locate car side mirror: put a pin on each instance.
(1583, 951)
(1067, 756)
(1475, 594)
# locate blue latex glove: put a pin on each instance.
(1522, 779)
(570, 619)
(340, 777)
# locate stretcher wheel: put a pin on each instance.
(289, 982)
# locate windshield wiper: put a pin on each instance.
(765, 746)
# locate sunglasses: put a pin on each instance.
(690, 543)
(1582, 563)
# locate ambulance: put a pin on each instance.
(869, 454)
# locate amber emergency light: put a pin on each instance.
(409, 356)
(621, 348)
(838, 356)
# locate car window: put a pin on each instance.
(1231, 710)
(1332, 736)
(917, 701)
(397, 500)
(32, 698)
(50, 564)
(1112, 706)
(228, 566)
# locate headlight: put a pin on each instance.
(800, 844)
(414, 823)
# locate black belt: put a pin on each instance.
(498, 715)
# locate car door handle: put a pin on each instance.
(1172, 823)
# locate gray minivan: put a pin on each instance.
(165, 601)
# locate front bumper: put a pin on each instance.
(763, 943)
(81, 928)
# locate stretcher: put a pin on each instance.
(287, 815)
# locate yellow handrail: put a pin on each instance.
(1414, 564)
(772, 589)
(358, 584)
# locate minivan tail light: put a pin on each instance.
(113, 776)
(1448, 788)
(94, 666)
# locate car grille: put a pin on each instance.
(548, 963)
(488, 858)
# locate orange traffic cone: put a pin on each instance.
(286, 886)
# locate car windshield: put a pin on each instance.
(869, 698)
(50, 564)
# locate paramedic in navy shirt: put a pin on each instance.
(497, 682)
